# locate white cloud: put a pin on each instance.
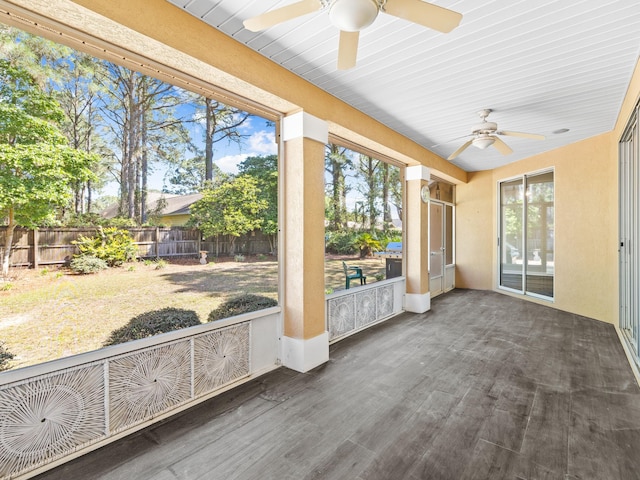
(263, 143)
(229, 163)
(258, 144)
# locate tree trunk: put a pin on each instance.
(89, 199)
(232, 245)
(145, 170)
(133, 144)
(386, 210)
(7, 243)
(210, 128)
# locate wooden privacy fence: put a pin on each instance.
(51, 246)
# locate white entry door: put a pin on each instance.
(442, 268)
(436, 248)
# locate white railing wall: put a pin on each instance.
(56, 411)
(349, 311)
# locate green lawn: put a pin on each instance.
(50, 313)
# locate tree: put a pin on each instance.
(232, 208)
(142, 115)
(36, 165)
(69, 77)
(368, 168)
(80, 96)
(265, 171)
(336, 163)
(221, 123)
(188, 176)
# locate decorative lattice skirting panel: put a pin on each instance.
(341, 314)
(49, 417)
(385, 301)
(147, 383)
(351, 312)
(221, 357)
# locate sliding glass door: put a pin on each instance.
(526, 236)
(629, 225)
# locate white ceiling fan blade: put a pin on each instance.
(502, 147)
(452, 140)
(533, 136)
(423, 13)
(348, 50)
(279, 15)
(460, 150)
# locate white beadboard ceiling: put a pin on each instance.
(540, 65)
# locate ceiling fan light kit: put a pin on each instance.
(353, 16)
(483, 141)
(485, 134)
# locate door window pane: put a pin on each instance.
(449, 235)
(527, 234)
(539, 260)
(511, 234)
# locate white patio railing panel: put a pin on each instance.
(349, 311)
(53, 412)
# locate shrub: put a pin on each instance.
(111, 244)
(86, 264)
(340, 243)
(160, 264)
(367, 244)
(242, 304)
(153, 323)
(5, 357)
(389, 236)
(239, 258)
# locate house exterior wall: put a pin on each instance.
(174, 220)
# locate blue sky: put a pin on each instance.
(260, 141)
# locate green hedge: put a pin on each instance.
(153, 323)
(5, 357)
(241, 304)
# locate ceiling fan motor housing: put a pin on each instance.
(485, 128)
(353, 15)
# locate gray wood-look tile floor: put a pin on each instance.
(484, 386)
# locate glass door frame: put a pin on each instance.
(524, 233)
(447, 237)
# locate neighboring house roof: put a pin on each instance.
(175, 204)
(179, 204)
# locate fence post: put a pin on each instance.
(199, 243)
(36, 254)
(157, 242)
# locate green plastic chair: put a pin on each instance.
(353, 276)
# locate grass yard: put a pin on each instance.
(50, 313)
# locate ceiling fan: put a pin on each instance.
(352, 16)
(485, 134)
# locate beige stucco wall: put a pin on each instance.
(586, 226)
(475, 232)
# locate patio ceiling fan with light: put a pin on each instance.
(353, 16)
(485, 134)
